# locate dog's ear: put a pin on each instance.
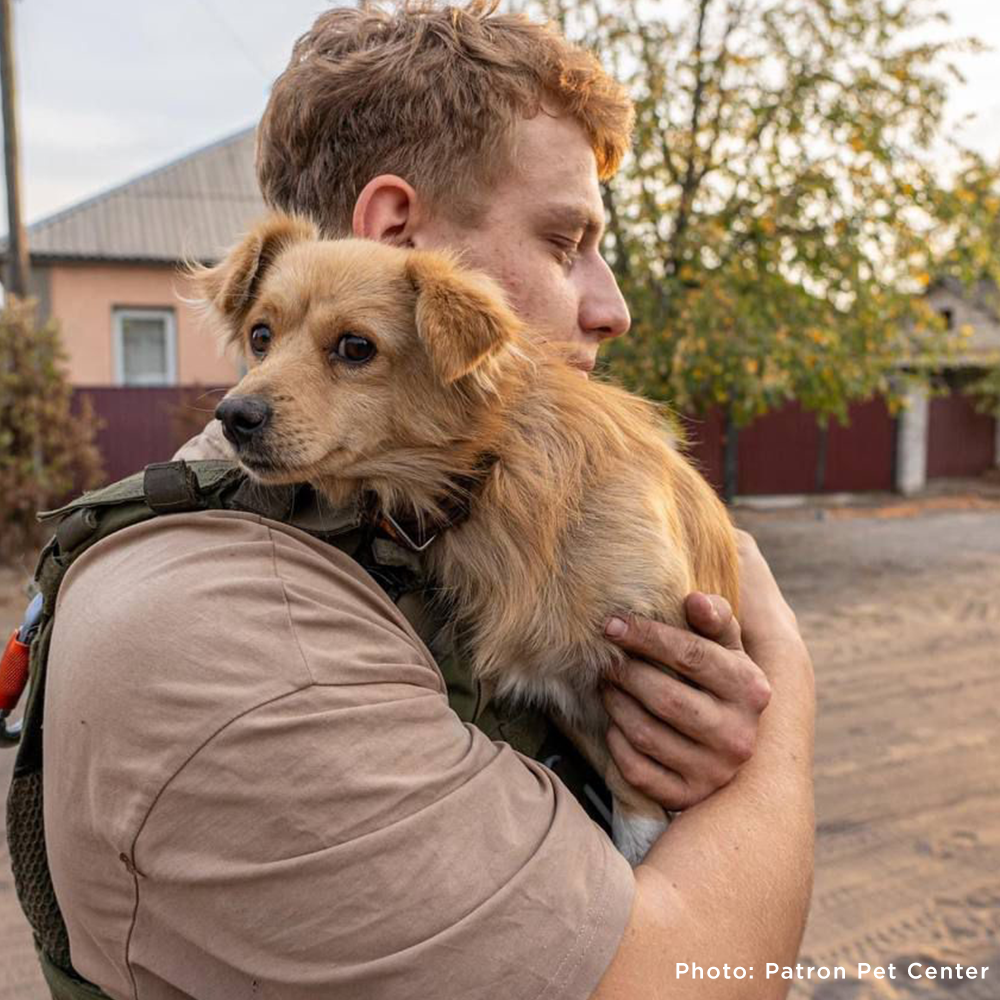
(231, 285)
(461, 316)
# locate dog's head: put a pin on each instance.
(361, 353)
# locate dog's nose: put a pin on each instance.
(243, 417)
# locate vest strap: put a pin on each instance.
(170, 486)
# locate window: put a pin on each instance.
(145, 347)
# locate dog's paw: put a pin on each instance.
(634, 835)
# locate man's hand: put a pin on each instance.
(680, 742)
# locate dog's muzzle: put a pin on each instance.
(243, 418)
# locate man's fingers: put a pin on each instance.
(692, 712)
(712, 616)
(701, 771)
(727, 673)
(649, 777)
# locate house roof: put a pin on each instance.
(190, 209)
(982, 295)
(978, 307)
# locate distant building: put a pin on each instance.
(107, 268)
(942, 435)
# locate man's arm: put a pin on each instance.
(730, 880)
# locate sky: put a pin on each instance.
(109, 89)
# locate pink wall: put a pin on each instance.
(82, 297)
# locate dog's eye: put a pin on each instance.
(355, 349)
(260, 340)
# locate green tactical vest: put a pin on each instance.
(183, 487)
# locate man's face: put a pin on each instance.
(540, 238)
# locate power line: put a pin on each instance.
(235, 37)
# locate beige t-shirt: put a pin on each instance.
(255, 788)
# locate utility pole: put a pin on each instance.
(18, 241)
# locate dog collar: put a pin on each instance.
(455, 506)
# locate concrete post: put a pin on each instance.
(911, 445)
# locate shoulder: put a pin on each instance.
(220, 580)
(169, 632)
(210, 443)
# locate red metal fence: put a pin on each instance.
(960, 441)
(143, 425)
(777, 454)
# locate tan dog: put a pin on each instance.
(396, 373)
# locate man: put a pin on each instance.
(263, 791)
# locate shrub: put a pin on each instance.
(46, 450)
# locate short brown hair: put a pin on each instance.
(428, 92)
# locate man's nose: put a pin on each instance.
(243, 417)
(603, 312)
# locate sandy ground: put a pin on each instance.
(901, 608)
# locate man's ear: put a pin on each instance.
(461, 316)
(385, 210)
(231, 285)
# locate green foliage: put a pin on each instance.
(969, 235)
(45, 453)
(969, 217)
(985, 392)
(770, 230)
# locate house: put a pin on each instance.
(108, 270)
(940, 433)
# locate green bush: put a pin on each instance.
(46, 451)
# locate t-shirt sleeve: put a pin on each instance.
(209, 444)
(353, 838)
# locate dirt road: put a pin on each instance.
(903, 619)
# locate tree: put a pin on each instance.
(969, 242)
(46, 450)
(770, 228)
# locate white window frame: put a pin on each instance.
(119, 315)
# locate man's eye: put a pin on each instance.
(567, 251)
(355, 349)
(260, 339)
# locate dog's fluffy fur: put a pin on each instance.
(588, 511)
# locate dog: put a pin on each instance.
(397, 374)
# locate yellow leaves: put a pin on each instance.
(767, 225)
(924, 278)
(751, 365)
(818, 336)
(966, 330)
(857, 143)
(687, 273)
